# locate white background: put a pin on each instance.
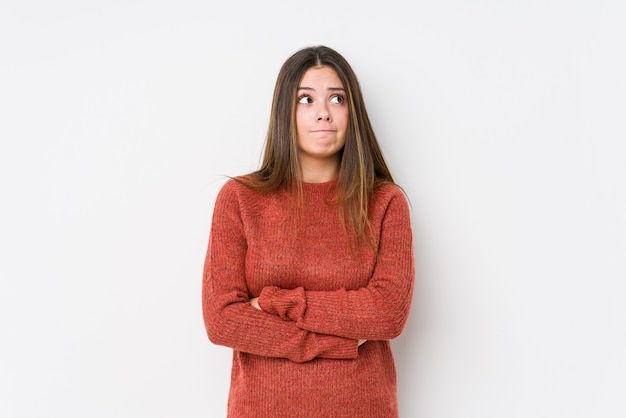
(503, 120)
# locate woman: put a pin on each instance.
(309, 271)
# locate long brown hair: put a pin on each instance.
(362, 166)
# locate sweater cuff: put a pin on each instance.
(289, 304)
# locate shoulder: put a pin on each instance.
(237, 186)
(231, 192)
(246, 192)
(389, 210)
(389, 201)
(388, 192)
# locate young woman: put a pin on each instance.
(309, 271)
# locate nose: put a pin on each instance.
(323, 115)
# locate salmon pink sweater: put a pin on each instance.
(299, 356)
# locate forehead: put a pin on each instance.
(322, 76)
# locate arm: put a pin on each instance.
(230, 319)
(377, 311)
(255, 303)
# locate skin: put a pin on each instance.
(321, 123)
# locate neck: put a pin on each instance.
(319, 171)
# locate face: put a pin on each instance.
(321, 116)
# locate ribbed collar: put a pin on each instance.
(324, 189)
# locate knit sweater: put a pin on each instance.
(299, 356)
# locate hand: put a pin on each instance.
(255, 302)
(361, 342)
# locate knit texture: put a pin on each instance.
(299, 356)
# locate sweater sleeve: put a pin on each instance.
(378, 311)
(229, 318)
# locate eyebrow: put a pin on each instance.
(330, 88)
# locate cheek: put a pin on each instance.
(342, 119)
(301, 119)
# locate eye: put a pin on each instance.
(305, 99)
(337, 99)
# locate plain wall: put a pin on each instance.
(502, 120)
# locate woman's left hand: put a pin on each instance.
(255, 302)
